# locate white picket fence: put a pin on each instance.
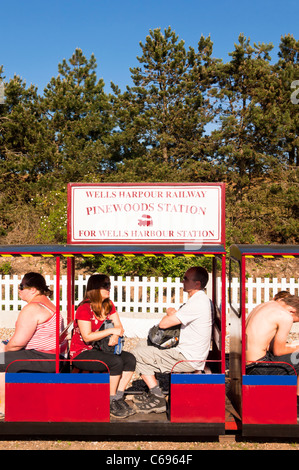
(146, 295)
(262, 289)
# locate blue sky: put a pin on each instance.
(36, 35)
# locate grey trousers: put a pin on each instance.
(150, 359)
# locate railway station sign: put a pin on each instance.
(160, 213)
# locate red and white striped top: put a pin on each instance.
(44, 337)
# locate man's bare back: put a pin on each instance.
(267, 327)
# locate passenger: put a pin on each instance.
(267, 330)
(195, 318)
(35, 332)
(90, 315)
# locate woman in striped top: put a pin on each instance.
(35, 332)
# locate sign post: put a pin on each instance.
(160, 213)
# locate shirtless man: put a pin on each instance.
(267, 329)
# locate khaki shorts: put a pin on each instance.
(150, 359)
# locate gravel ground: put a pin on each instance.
(142, 445)
(224, 443)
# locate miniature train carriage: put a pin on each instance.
(267, 404)
(196, 401)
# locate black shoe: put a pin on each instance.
(153, 404)
(126, 407)
(120, 409)
(140, 398)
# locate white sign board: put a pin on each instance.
(145, 213)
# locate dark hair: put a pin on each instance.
(292, 301)
(101, 307)
(201, 275)
(281, 295)
(96, 281)
(38, 281)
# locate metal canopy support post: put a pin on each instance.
(57, 312)
(70, 289)
(223, 311)
(243, 310)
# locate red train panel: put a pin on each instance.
(57, 397)
(197, 398)
(269, 399)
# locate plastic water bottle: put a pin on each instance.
(170, 342)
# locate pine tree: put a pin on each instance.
(20, 133)
(255, 131)
(283, 115)
(79, 119)
(163, 116)
(1, 86)
(23, 151)
(237, 101)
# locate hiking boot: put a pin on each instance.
(120, 409)
(153, 404)
(122, 402)
(140, 398)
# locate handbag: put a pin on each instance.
(164, 338)
(102, 344)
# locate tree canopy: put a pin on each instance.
(187, 117)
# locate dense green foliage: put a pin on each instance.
(188, 117)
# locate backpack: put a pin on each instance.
(102, 344)
(164, 338)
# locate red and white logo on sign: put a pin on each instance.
(145, 221)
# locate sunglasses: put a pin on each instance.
(21, 287)
(187, 279)
(106, 285)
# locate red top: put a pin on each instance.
(85, 313)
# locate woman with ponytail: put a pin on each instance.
(94, 309)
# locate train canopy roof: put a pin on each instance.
(187, 249)
(265, 251)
